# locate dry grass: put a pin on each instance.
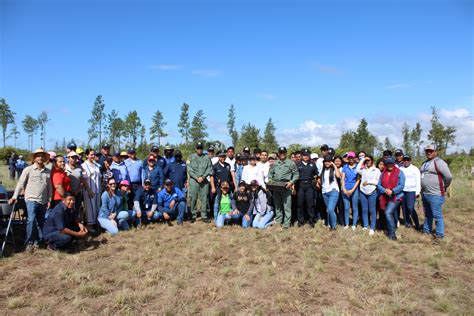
(199, 269)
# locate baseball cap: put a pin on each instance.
(178, 153)
(314, 156)
(351, 154)
(211, 148)
(168, 148)
(124, 182)
(398, 152)
(387, 152)
(106, 145)
(124, 154)
(242, 183)
(272, 157)
(199, 145)
(282, 150)
(389, 160)
(72, 154)
(306, 152)
(406, 157)
(131, 150)
(254, 183)
(430, 147)
(147, 181)
(71, 146)
(168, 182)
(252, 157)
(324, 147)
(246, 149)
(327, 158)
(155, 148)
(221, 154)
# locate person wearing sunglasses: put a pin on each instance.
(111, 216)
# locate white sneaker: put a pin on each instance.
(398, 224)
(353, 228)
(365, 228)
(346, 227)
(371, 232)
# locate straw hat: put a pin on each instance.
(39, 151)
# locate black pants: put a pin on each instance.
(305, 197)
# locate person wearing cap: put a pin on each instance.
(171, 203)
(118, 167)
(261, 206)
(134, 168)
(221, 172)
(177, 172)
(308, 173)
(145, 203)
(264, 164)
(240, 162)
(80, 152)
(105, 153)
(231, 157)
(246, 151)
(350, 190)
(324, 151)
(411, 191)
(63, 225)
(370, 176)
(61, 183)
(74, 172)
(435, 180)
(225, 207)
(257, 152)
(35, 181)
(168, 155)
(70, 147)
(92, 189)
(244, 204)
(50, 163)
(328, 183)
(160, 160)
(199, 169)
(253, 172)
(390, 187)
(399, 158)
(126, 202)
(20, 165)
(314, 157)
(387, 153)
(154, 173)
(212, 155)
(111, 215)
(283, 170)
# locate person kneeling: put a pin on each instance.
(261, 206)
(171, 203)
(225, 207)
(111, 217)
(62, 225)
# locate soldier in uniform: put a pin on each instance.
(283, 170)
(308, 172)
(199, 169)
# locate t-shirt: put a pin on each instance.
(59, 218)
(75, 175)
(242, 201)
(59, 177)
(350, 178)
(225, 206)
(327, 186)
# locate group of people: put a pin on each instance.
(71, 196)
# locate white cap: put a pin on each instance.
(314, 156)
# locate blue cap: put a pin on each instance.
(389, 160)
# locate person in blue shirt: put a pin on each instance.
(240, 162)
(171, 203)
(62, 225)
(350, 190)
(145, 203)
(154, 173)
(134, 167)
(160, 161)
(176, 171)
(111, 216)
(119, 169)
(20, 165)
(169, 151)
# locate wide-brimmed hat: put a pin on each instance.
(39, 151)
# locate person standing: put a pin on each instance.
(308, 173)
(61, 183)
(330, 188)
(212, 155)
(154, 173)
(221, 171)
(411, 192)
(252, 171)
(435, 179)
(74, 172)
(92, 175)
(12, 165)
(35, 181)
(391, 184)
(264, 164)
(230, 157)
(370, 176)
(20, 165)
(118, 167)
(283, 170)
(199, 168)
(104, 154)
(169, 158)
(350, 190)
(177, 172)
(134, 167)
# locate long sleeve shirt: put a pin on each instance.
(165, 198)
(370, 176)
(412, 179)
(37, 184)
(109, 204)
(199, 166)
(253, 173)
(284, 170)
(398, 190)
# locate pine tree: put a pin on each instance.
(183, 124)
(249, 136)
(7, 117)
(364, 140)
(14, 133)
(198, 130)
(132, 127)
(388, 144)
(97, 120)
(42, 121)
(415, 138)
(30, 125)
(269, 141)
(234, 135)
(346, 142)
(157, 125)
(440, 135)
(406, 145)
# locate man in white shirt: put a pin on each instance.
(230, 158)
(411, 191)
(253, 172)
(264, 164)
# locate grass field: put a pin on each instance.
(199, 269)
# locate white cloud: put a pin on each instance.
(266, 96)
(207, 73)
(457, 113)
(165, 67)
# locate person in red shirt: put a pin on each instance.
(61, 182)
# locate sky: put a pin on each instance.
(315, 67)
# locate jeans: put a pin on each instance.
(177, 212)
(390, 214)
(34, 222)
(247, 223)
(354, 200)
(59, 240)
(262, 222)
(433, 205)
(222, 218)
(340, 210)
(409, 211)
(331, 199)
(122, 223)
(369, 205)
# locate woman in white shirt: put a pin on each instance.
(253, 172)
(411, 191)
(370, 176)
(92, 175)
(330, 189)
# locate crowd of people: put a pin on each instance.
(84, 192)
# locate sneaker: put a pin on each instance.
(51, 248)
(398, 224)
(29, 248)
(346, 227)
(353, 228)
(371, 232)
(364, 228)
(179, 223)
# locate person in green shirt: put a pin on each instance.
(199, 170)
(284, 172)
(225, 206)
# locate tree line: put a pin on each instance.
(128, 130)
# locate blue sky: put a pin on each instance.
(315, 67)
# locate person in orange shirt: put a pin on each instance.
(61, 183)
